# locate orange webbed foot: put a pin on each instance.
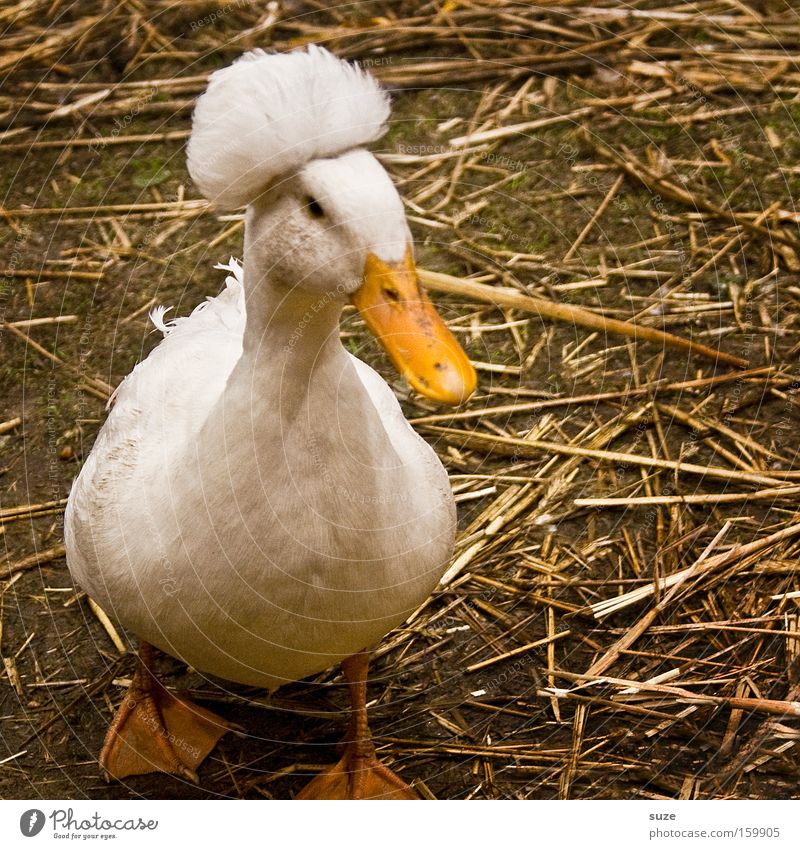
(157, 731)
(357, 777)
(358, 774)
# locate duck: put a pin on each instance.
(256, 505)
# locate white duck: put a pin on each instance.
(256, 504)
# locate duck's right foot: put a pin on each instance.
(157, 731)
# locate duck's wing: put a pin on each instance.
(405, 440)
(185, 374)
(158, 408)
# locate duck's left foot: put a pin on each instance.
(157, 731)
(358, 774)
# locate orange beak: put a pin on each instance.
(411, 332)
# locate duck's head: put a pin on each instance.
(283, 135)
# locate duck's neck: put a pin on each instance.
(289, 333)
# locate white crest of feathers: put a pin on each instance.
(267, 114)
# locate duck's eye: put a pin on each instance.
(314, 207)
